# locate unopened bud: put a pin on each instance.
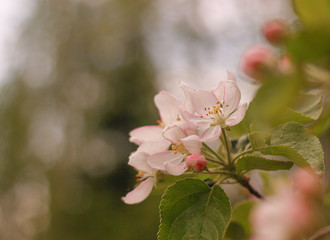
(196, 162)
(275, 31)
(285, 64)
(258, 59)
(307, 182)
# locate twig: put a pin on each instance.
(244, 181)
(322, 232)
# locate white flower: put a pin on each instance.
(184, 142)
(215, 109)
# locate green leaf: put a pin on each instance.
(276, 94)
(308, 108)
(235, 231)
(308, 146)
(241, 215)
(192, 210)
(287, 152)
(313, 14)
(258, 138)
(250, 162)
(309, 105)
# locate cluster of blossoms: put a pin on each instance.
(291, 211)
(174, 145)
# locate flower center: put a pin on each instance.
(161, 123)
(216, 114)
(139, 175)
(179, 147)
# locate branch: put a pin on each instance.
(322, 232)
(244, 181)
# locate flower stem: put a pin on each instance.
(212, 160)
(227, 145)
(214, 153)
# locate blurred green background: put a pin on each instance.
(85, 75)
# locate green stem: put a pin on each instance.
(212, 160)
(247, 152)
(220, 172)
(227, 145)
(214, 153)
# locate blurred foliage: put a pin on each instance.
(83, 83)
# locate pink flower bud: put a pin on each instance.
(307, 182)
(285, 65)
(275, 31)
(257, 59)
(196, 162)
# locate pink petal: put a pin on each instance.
(237, 116)
(138, 160)
(194, 119)
(229, 93)
(192, 144)
(230, 76)
(175, 169)
(173, 133)
(203, 99)
(188, 105)
(188, 128)
(211, 133)
(157, 160)
(146, 134)
(140, 193)
(154, 147)
(168, 107)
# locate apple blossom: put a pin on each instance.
(184, 143)
(215, 109)
(196, 162)
(257, 59)
(168, 107)
(146, 174)
(290, 212)
(275, 31)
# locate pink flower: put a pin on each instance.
(184, 143)
(291, 211)
(275, 31)
(215, 109)
(196, 162)
(168, 107)
(257, 59)
(146, 174)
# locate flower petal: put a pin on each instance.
(140, 193)
(157, 160)
(202, 100)
(175, 169)
(173, 133)
(187, 90)
(194, 119)
(168, 107)
(146, 134)
(229, 94)
(154, 147)
(237, 116)
(138, 160)
(210, 134)
(230, 76)
(192, 144)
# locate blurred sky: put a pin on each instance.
(13, 14)
(230, 27)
